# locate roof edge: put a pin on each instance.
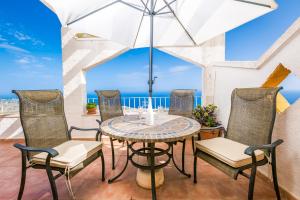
(282, 41)
(48, 5)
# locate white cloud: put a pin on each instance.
(39, 65)
(33, 74)
(132, 80)
(47, 58)
(24, 60)
(179, 69)
(132, 75)
(14, 34)
(24, 37)
(2, 38)
(13, 48)
(30, 62)
(154, 67)
(36, 42)
(21, 36)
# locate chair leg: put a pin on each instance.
(112, 153)
(183, 155)
(194, 140)
(274, 173)
(103, 165)
(52, 182)
(251, 182)
(195, 166)
(23, 176)
(193, 144)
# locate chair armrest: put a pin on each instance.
(51, 152)
(84, 129)
(250, 150)
(99, 122)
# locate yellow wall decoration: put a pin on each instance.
(275, 78)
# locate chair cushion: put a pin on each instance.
(70, 153)
(228, 151)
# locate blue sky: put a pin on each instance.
(30, 52)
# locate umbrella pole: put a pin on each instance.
(151, 50)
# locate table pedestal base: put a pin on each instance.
(143, 178)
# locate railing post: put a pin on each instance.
(124, 104)
(160, 102)
(165, 103)
(2, 109)
(139, 101)
(129, 106)
(134, 102)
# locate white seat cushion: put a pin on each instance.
(228, 151)
(70, 153)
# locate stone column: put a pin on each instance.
(208, 88)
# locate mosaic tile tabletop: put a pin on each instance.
(165, 128)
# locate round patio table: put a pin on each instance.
(164, 128)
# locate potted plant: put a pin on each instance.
(91, 108)
(207, 118)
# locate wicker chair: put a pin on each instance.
(247, 142)
(109, 107)
(182, 104)
(48, 141)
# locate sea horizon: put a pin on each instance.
(291, 95)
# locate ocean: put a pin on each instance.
(291, 96)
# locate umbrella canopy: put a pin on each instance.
(157, 23)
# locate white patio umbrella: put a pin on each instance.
(157, 23)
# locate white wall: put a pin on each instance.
(211, 51)
(10, 127)
(80, 55)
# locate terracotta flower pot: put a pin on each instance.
(210, 132)
(91, 111)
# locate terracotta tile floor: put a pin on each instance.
(212, 184)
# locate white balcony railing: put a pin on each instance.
(11, 106)
(135, 102)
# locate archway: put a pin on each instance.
(129, 73)
(81, 54)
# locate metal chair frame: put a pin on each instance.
(269, 149)
(26, 150)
